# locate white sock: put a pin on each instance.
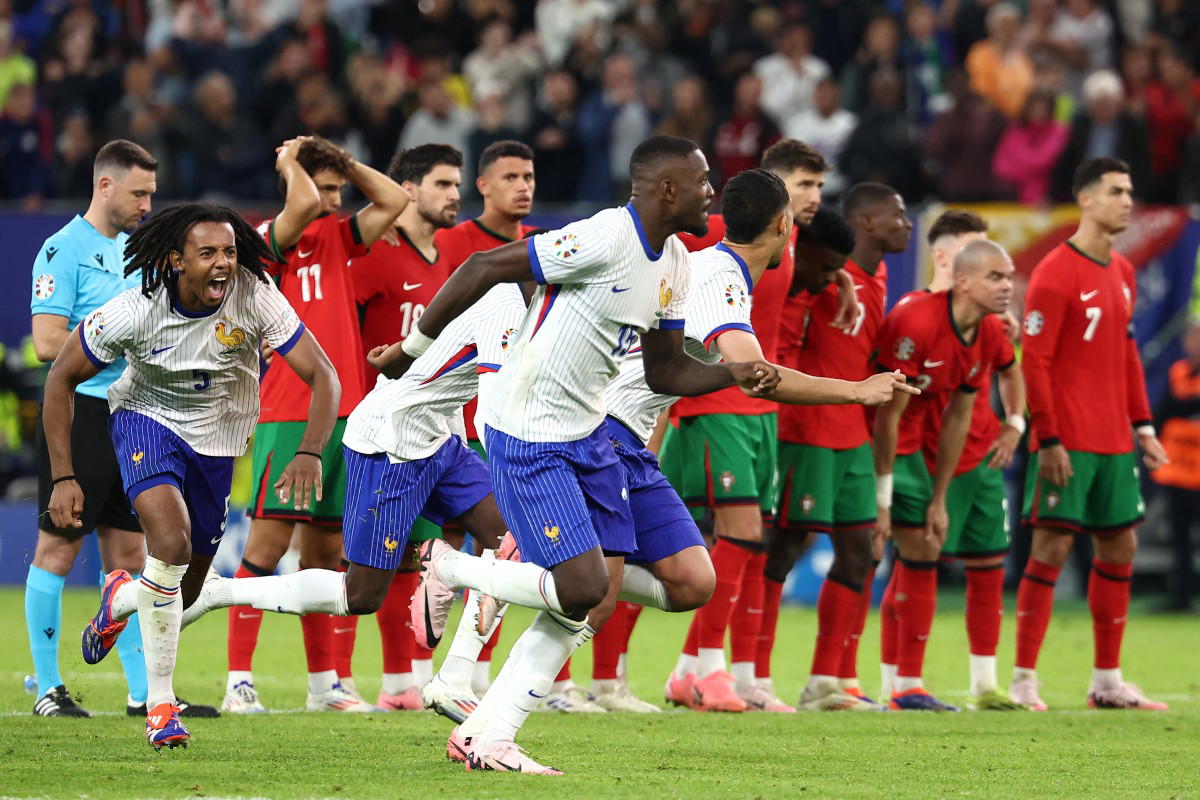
(766, 684)
(481, 677)
(550, 641)
(560, 686)
(904, 683)
(600, 685)
(709, 660)
(125, 600)
(1106, 678)
(160, 611)
(397, 682)
(848, 683)
(422, 669)
(318, 682)
(1022, 674)
(511, 581)
(743, 675)
(983, 673)
(465, 646)
(622, 673)
(686, 665)
(490, 700)
(640, 586)
(887, 680)
(309, 591)
(238, 676)
(821, 684)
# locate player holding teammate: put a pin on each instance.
(183, 409)
(941, 341)
(311, 246)
(1086, 391)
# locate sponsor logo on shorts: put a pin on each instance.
(807, 503)
(552, 532)
(1052, 499)
(390, 543)
(727, 480)
(43, 287)
(137, 457)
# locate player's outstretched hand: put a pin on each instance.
(1004, 447)
(66, 505)
(883, 525)
(937, 522)
(300, 481)
(1054, 465)
(1154, 455)
(390, 359)
(755, 378)
(878, 389)
(391, 237)
(849, 309)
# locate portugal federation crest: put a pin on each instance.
(905, 347)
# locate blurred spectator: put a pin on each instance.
(1050, 75)
(1137, 69)
(143, 117)
(926, 54)
(1103, 128)
(74, 151)
(880, 50)
(1030, 148)
(375, 95)
(70, 71)
(560, 21)
(659, 70)
(968, 22)
(502, 65)
(15, 66)
(612, 121)
(1084, 32)
(885, 147)
(1190, 181)
(790, 74)
(328, 48)
(690, 114)
(26, 148)
(228, 157)
(491, 125)
(558, 154)
(740, 140)
(1037, 34)
(825, 128)
(1172, 102)
(1177, 22)
(961, 140)
(437, 120)
(839, 25)
(1000, 69)
(275, 94)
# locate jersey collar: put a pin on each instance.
(490, 232)
(172, 291)
(953, 325)
(740, 262)
(415, 249)
(637, 223)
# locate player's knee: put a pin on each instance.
(581, 594)
(360, 603)
(694, 592)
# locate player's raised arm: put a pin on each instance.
(302, 202)
(386, 198)
(956, 423)
(71, 367)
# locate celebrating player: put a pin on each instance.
(311, 246)
(181, 412)
(1086, 391)
(941, 341)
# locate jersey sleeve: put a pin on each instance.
(54, 278)
(108, 331)
(352, 238)
(1046, 305)
(572, 254)
(898, 345)
(496, 331)
(674, 296)
(718, 305)
(1003, 354)
(1135, 376)
(277, 320)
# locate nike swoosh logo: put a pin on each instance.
(244, 615)
(931, 364)
(615, 290)
(342, 630)
(215, 539)
(165, 603)
(1085, 296)
(535, 694)
(303, 254)
(408, 287)
(155, 351)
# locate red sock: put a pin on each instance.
(746, 620)
(486, 653)
(1035, 602)
(772, 597)
(887, 621)
(632, 612)
(691, 643)
(837, 607)
(608, 642)
(1108, 599)
(729, 561)
(848, 669)
(916, 602)
(564, 674)
(345, 632)
(318, 641)
(985, 608)
(244, 623)
(395, 632)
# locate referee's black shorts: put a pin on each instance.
(96, 470)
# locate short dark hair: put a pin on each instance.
(861, 196)
(123, 155)
(505, 148)
(789, 155)
(1093, 169)
(415, 163)
(318, 153)
(656, 149)
(955, 222)
(749, 202)
(827, 229)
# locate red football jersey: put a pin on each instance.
(919, 338)
(766, 309)
(393, 284)
(809, 343)
(1082, 368)
(455, 245)
(315, 278)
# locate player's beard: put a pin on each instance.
(446, 218)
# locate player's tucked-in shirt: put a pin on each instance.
(393, 284)
(76, 271)
(765, 312)
(809, 343)
(195, 372)
(718, 301)
(920, 339)
(600, 286)
(411, 417)
(1081, 363)
(314, 276)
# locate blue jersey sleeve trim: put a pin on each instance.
(535, 263)
(286, 347)
(670, 324)
(87, 351)
(732, 326)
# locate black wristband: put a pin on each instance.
(317, 456)
(63, 478)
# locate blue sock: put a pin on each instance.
(133, 660)
(43, 617)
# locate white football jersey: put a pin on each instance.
(411, 417)
(600, 285)
(195, 372)
(719, 301)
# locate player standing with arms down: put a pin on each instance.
(1087, 395)
(311, 246)
(181, 412)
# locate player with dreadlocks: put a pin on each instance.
(181, 412)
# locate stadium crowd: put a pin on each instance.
(918, 94)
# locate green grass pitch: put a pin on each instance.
(1068, 752)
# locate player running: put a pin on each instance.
(311, 246)
(183, 409)
(941, 341)
(1086, 391)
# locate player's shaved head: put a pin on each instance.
(979, 255)
(669, 176)
(827, 229)
(865, 198)
(751, 201)
(654, 155)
